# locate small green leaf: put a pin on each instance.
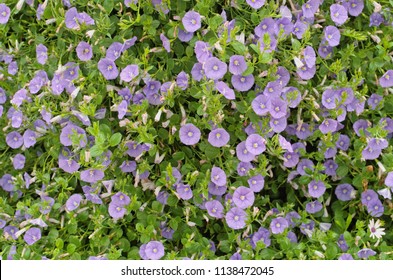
(115, 139)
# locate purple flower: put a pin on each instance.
(189, 134)
(309, 56)
(278, 225)
(389, 179)
(316, 188)
(355, 7)
(339, 14)
(121, 199)
(197, 72)
(242, 83)
(328, 125)
(260, 105)
(267, 25)
(185, 36)
(92, 175)
(214, 68)
(305, 72)
(376, 19)
(72, 131)
(387, 79)
(218, 176)
(9, 231)
(330, 167)
(324, 50)
(345, 257)
(332, 35)
(374, 100)
(292, 237)
(256, 183)
(182, 80)
(236, 218)
(243, 197)
(6, 182)
(191, 21)
(167, 232)
(342, 244)
(162, 197)
(165, 42)
(154, 250)
(310, 8)
(215, 209)
(3, 96)
(371, 153)
(375, 208)
(261, 235)
(343, 142)
(237, 64)
(291, 159)
(273, 89)
(108, 68)
(116, 211)
(202, 51)
(142, 252)
(243, 168)
(216, 190)
(41, 54)
(255, 144)
(32, 235)
(73, 202)
(184, 191)
(313, 207)
(71, 18)
(67, 163)
(225, 90)
(277, 107)
(14, 140)
(236, 256)
(128, 166)
(299, 28)
(278, 125)
(242, 153)
(84, 51)
(218, 137)
(4, 13)
(255, 4)
(13, 68)
(366, 253)
(345, 192)
(18, 161)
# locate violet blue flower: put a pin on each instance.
(84, 51)
(345, 192)
(366, 253)
(5, 13)
(184, 191)
(225, 90)
(243, 197)
(255, 4)
(92, 175)
(255, 144)
(73, 202)
(387, 79)
(256, 183)
(316, 188)
(313, 207)
(154, 250)
(116, 211)
(214, 68)
(32, 235)
(237, 64)
(242, 83)
(332, 35)
(18, 161)
(191, 21)
(236, 218)
(108, 68)
(189, 134)
(338, 14)
(215, 209)
(218, 176)
(278, 225)
(14, 140)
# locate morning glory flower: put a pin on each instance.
(191, 21)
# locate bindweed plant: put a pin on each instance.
(242, 129)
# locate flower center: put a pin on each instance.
(315, 187)
(242, 79)
(236, 218)
(86, 51)
(193, 21)
(186, 189)
(110, 67)
(387, 77)
(245, 151)
(277, 109)
(373, 229)
(190, 134)
(218, 135)
(118, 209)
(278, 225)
(255, 145)
(242, 197)
(214, 210)
(236, 62)
(215, 67)
(15, 138)
(154, 250)
(253, 182)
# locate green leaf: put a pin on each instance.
(71, 248)
(96, 151)
(115, 139)
(354, 34)
(239, 47)
(108, 6)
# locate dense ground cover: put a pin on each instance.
(196, 129)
